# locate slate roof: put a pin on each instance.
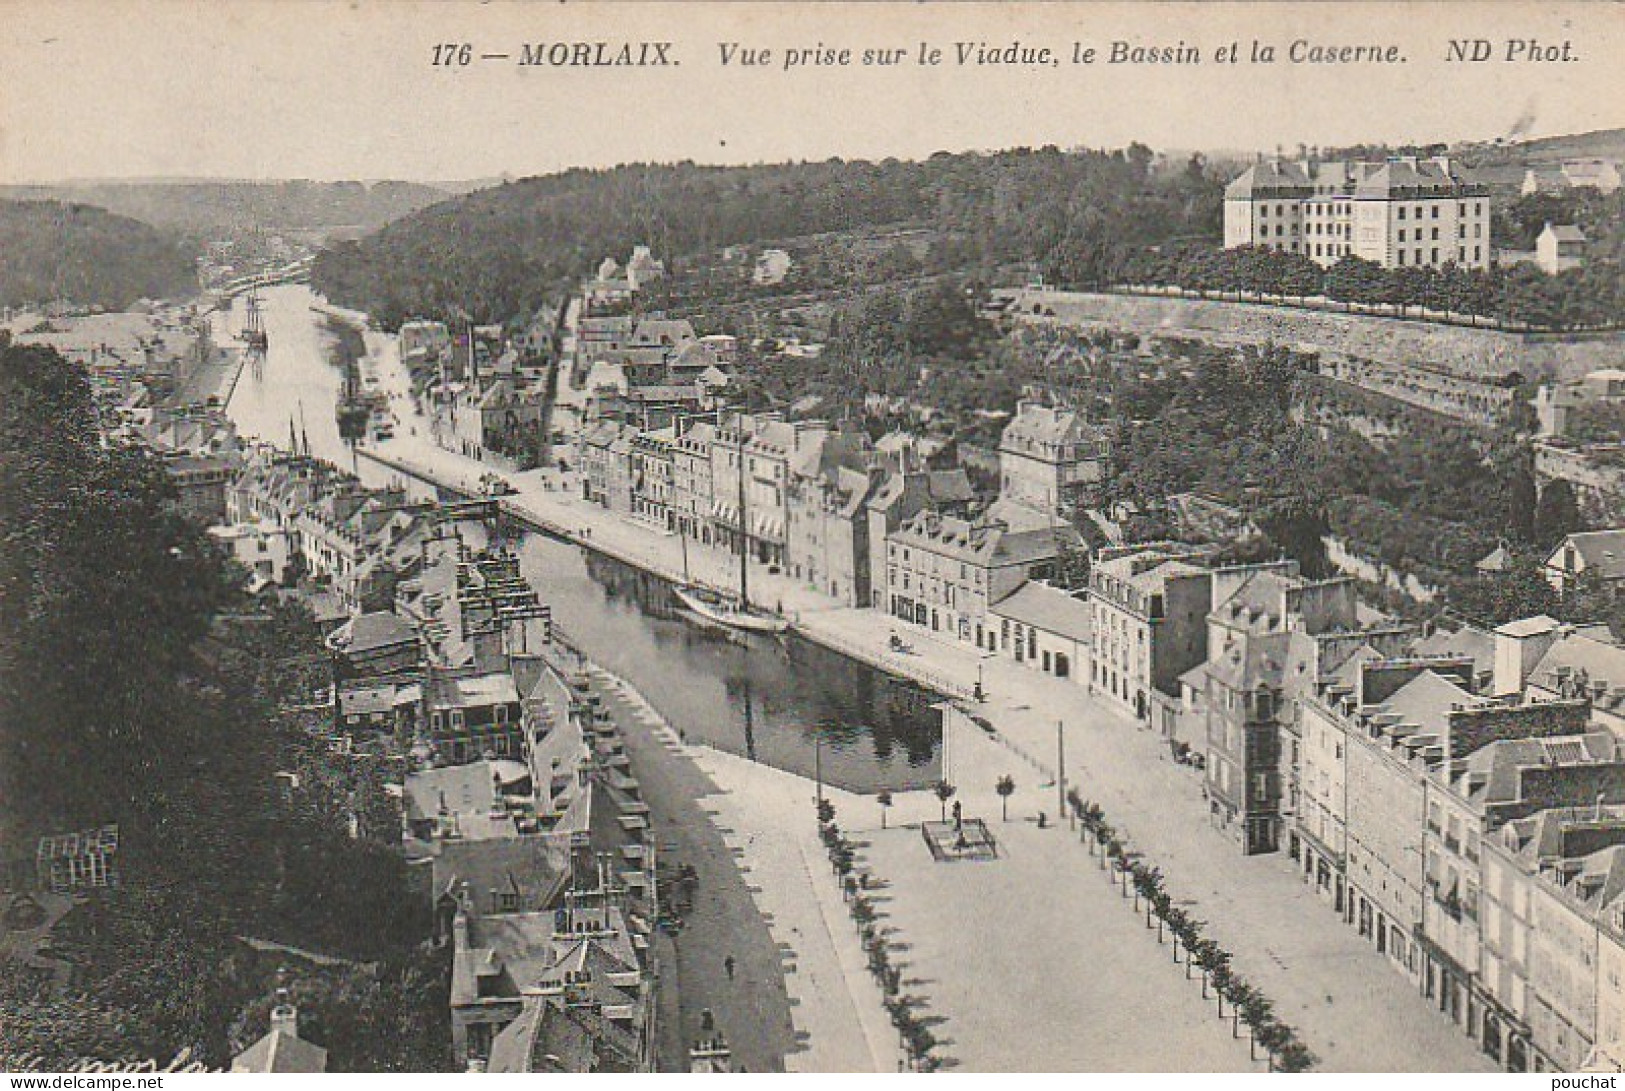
(1538, 625)
(533, 869)
(1346, 674)
(1257, 601)
(369, 632)
(1599, 660)
(1427, 700)
(1491, 772)
(1290, 179)
(1250, 661)
(1048, 608)
(365, 699)
(1465, 641)
(281, 1052)
(1266, 179)
(1403, 177)
(1603, 551)
(1044, 426)
(988, 545)
(494, 688)
(466, 789)
(950, 486)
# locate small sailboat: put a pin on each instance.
(727, 610)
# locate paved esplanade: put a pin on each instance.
(1035, 959)
(1353, 1011)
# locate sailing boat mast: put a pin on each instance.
(744, 541)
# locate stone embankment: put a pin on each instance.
(1476, 353)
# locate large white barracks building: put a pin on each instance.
(1405, 211)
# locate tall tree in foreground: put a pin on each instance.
(105, 588)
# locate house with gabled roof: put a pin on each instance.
(1593, 554)
(1051, 459)
(903, 492)
(826, 525)
(1047, 628)
(281, 1049)
(1150, 603)
(945, 572)
(585, 958)
(1252, 686)
(1560, 247)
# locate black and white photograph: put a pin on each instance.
(809, 537)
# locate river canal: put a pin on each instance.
(782, 701)
(294, 383)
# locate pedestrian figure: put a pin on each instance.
(728, 965)
(708, 1021)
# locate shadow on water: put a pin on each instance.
(765, 698)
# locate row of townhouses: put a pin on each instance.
(871, 525)
(521, 818)
(1457, 797)
(525, 822)
(291, 517)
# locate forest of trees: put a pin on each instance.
(208, 210)
(139, 686)
(1431, 499)
(1600, 215)
(1085, 219)
(88, 256)
(500, 253)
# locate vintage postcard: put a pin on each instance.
(812, 537)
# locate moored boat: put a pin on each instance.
(729, 612)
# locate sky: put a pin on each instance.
(334, 90)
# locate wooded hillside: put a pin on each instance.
(54, 251)
(501, 252)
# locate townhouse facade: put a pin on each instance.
(1597, 555)
(902, 493)
(653, 470)
(1256, 665)
(1150, 622)
(1554, 946)
(691, 484)
(1052, 460)
(1047, 629)
(1417, 796)
(944, 573)
(826, 524)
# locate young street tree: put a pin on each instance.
(1006, 787)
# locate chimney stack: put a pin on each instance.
(284, 1017)
(459, 926)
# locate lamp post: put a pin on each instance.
(818, 760)
(978, 692)
(1060, 767)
